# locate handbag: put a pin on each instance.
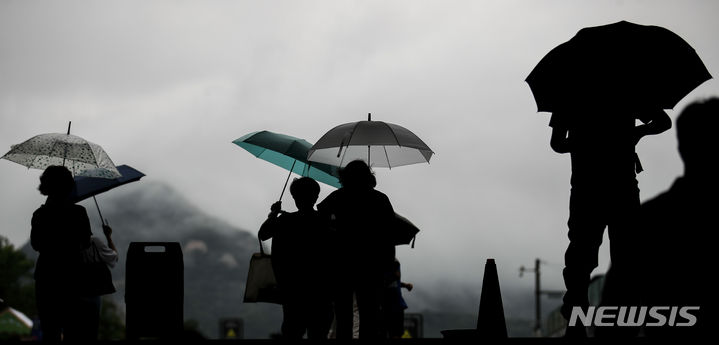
(95, 276)
(261, 285)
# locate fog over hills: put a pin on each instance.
(216, 258)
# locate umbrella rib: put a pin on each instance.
(55, 144)
(392, 131)
(386, 155)
(352, 133)
(343, 157)
(349, 140)
(32, 162)
(94, 157)
(37, 157)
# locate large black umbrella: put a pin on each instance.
(380, 144)
(86, 187)
(623, 64)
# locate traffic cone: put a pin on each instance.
(490, 322)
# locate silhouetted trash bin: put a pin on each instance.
(154, 290)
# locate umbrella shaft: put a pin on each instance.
(98, 210)
(288, 179)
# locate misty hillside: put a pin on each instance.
(216, 258)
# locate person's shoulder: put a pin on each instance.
(380, 195)
(39, 210)
(662, 202)
(43, 211)
(97, 241)
(332, 198)
(291, 216)
(337, 193)
(78, 209)
(286, 216)
(377, 192)
(557, 119)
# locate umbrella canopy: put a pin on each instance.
(623, 64)
(403, 231)
(287, 152)
(86, 187)
(380, 144)
(80, 156)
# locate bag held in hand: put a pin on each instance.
(261, 283)
(95, 276)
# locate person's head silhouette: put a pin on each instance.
(56, 182)
(357, 175)
(305, 192)
(696, 132)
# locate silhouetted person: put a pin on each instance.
(361, 216)
(679, 227)
(604, 191)
(60, 231)
(393, 305)
(302, 262)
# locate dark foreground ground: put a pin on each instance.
(435, 341)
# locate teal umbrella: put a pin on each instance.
(289, 153)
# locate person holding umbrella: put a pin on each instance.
(596, 85)
(301, 263)
(60, 231)
(362, 217)
(604, 192)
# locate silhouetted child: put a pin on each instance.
(302, 263)
(393, 305)
(604, 191)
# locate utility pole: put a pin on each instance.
(538, 292)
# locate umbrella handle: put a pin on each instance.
(288, 179)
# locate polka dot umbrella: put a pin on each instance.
(80, 156)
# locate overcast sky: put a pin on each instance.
(165, 86)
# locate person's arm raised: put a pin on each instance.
(268, 228)
(655, 122)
